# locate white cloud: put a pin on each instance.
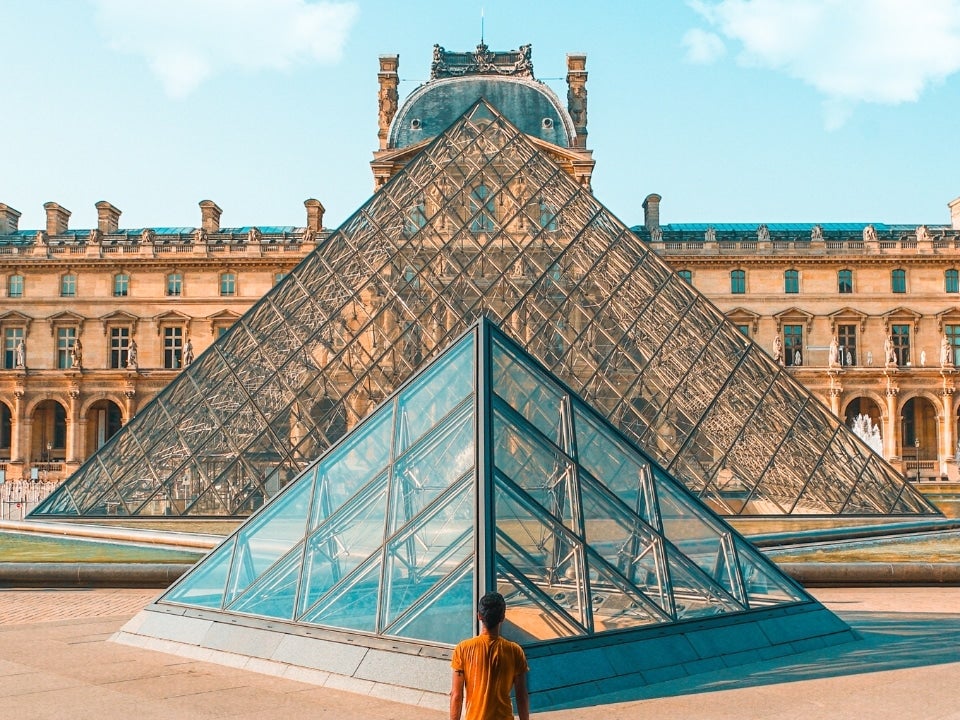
(703, 47)
(187, 41)
(878, 51)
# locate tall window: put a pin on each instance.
(686, 275)
(898, 280)
(415, 218)
(481, 207)
(11, 338)
(278, 277)
(953, 337)
(901, 343)
(6, 426)
(847, 340)
(845, 282)
(738, 282)
(228, 284)
(172, 348)
(951, 281)
(791, 281)
(174, 285)
(66, 337)
(548, 216)
(68, 285)
(119, 347)
(793, 344)
(121, 285)
(15, 286)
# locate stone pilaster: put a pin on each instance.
(577, 97)
(388, 98)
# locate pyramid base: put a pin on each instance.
(563, 674)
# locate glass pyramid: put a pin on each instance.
(482, 221)
(482, 472)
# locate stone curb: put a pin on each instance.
(98, 575)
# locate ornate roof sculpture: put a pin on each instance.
(483, 222)
(515, 63)
(484, 472)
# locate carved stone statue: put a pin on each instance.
(132, 363)
(148, 235)
(188, 353)
(710, 235)
(94, 237)
(76, 355)
(889, 356)
(778, 350)
(656, 234)
(763, 233)
(200, 236)
(923, 358)
(869, 358)
(20, 355)
(817, 233)
(577, 104)
(870, 234)
(797, 358)
(40, 238)
(254, 235)
(832, 358)
(945, 352)
(923, 234)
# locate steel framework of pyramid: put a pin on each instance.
(484, 472)
(484, 221)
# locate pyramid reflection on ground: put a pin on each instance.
(484, 471)
(483, 221)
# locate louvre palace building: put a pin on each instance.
(198, 370)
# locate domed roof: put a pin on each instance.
(526, 102)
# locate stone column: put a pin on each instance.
(73, 423)
(891, 425)
(17, 441)
(129, 406)
(577, 97)
(946, 433)
(388, 97)
(835, 394)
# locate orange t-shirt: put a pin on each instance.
(489, 665)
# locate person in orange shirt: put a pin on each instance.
(487, 667)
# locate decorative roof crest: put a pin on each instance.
(482, 61)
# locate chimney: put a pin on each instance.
(210, 216)
(108, 218)
(314, 214)
(954, 213)
(577, 97)
(651, 212)
(57, 218)
(388, 97)
(9, 220)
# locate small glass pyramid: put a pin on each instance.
(483, 222)
(484, 471)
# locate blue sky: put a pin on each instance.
(732, 110)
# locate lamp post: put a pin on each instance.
(916, 445)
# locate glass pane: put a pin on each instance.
(205, 585)
(435, 393)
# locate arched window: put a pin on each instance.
(481, 207)
(791, 281)
(951, 281)
(738, 282)
(898, 281)
(845, 282)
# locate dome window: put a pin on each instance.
(415, 124)
(547, 123)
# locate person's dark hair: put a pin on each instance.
(492, 608)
